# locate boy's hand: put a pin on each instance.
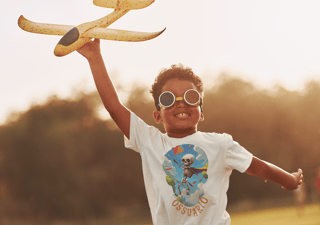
(90, 49)
(298, 178)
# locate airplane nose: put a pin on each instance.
(70, 37)
(62, 50)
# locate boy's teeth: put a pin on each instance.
(181, 114)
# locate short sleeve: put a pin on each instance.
(237, 157)
(140, 133)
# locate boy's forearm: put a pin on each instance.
(271, 172)
(279, 176)
(108, 94)
(103, 82)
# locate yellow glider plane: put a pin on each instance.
(75, 37)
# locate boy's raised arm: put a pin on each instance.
(109, 96)
(273, 173)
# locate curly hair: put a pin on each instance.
(175, 71)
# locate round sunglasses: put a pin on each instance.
(191, 97)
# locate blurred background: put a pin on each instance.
(59, 161)
(62, 159)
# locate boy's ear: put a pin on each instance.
(202, 117)
(157, 116)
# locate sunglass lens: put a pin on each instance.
(166, 99)
(192, 97)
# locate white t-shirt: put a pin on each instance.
(186, 179)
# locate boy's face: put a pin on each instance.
(181, 119)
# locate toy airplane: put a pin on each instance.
(75, 37)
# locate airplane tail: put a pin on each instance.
(123, 4)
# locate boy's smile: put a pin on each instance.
(181, 119)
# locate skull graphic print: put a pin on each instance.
(186, 172)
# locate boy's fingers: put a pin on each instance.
(300, 182)
(300, 173)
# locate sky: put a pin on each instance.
(265, 42)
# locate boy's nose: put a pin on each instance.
(181, 104)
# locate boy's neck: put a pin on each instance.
(182, 134)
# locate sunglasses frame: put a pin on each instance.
(180, 98)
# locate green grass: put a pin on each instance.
(310, 215)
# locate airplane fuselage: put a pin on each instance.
(73, 39)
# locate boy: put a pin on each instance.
(186, 172)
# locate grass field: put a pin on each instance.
(277, 216)
(310, 215)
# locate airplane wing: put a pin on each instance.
(42, 28)
(96, 32)
(120, 35)
(123, 4)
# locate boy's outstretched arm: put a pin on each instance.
(268, 171)
(109, 96)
